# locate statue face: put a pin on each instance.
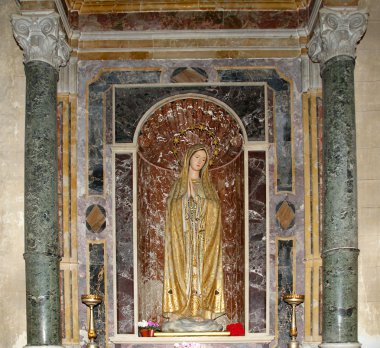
(198, 160)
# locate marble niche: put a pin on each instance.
(138, 129)
(164, 137)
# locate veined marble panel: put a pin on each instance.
(188, 20)
(270, 113)
(155, 178)
(124, 242)
(153, 188)
(132, 103)
(108, 106)
(229, 182)
(257, 217)
(88, 71)
(190, 119)
(282, 118)
(285, 285)
(183, 75)
(99, 112)
(97, 280)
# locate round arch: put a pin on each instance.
(191, 118)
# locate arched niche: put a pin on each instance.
(165, 134)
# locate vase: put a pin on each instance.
(147, 332)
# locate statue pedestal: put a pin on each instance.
(192, 334)
(191, 325)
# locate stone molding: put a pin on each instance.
(41, 38)
(340, 345)
(310, 74)
(310, 344)
(337, 34)
(44, 347)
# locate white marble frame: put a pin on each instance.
(248, 146)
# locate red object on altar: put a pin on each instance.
(236, 329)
(147, 332)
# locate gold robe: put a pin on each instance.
(193, 280)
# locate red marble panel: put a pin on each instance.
(229, 182)
(153, 188)
(192, 20)
(155, 181)
(124, 242)
(170, 130)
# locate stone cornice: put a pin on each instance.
(337, 34)
(41, 38)
(128, 43)
(104, 6)
(191, 34)
(191, 43)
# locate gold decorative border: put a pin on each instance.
(69, 263)
(313, 261)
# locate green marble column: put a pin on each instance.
(40, 39)
(340, 33)
(340, 242)
(41, 206)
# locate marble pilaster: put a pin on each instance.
(44, 51)
(333, 46)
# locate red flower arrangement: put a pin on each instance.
(236, 329)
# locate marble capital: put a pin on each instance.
(337, 34)
(41, 38)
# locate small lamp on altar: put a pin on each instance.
(294, 300)
(91, 301)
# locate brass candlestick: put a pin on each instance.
(293, 300)
(91, 301)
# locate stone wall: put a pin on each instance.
(12, 113)
(367, 87)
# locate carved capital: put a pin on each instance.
(337, 34)
(41, 39)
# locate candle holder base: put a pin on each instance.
(91, 301)
(92, 345)
(293, 300)
(293, 344)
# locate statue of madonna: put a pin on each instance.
(193, 279)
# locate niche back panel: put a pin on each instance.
(124, 242)
(257, 222)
